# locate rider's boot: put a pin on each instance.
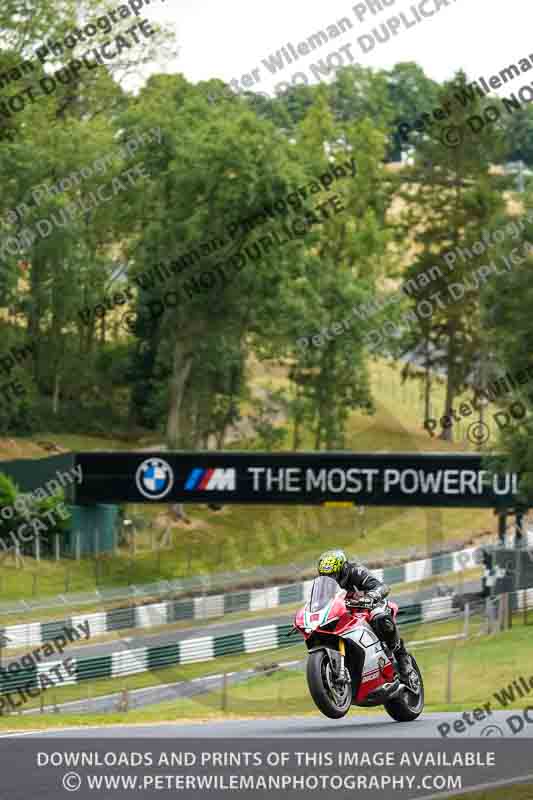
(404, 661)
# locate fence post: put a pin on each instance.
(122, 705)
(225, 692)
(489, 612)
(466, 620)
(450, 675)
(502, 612)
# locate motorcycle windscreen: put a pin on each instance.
(323, 591)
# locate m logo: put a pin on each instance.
(209, 480)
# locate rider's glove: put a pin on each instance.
(375, 596)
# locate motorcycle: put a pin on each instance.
(348, 664)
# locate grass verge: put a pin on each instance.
(238, 537)
(480, 666)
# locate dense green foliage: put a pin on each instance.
(30, 512)
(186, 373)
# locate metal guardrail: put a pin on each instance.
(159, 614)
(145, 659)
(207, 584)
(207, 648)
(201, 587)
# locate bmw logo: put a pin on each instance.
(154, 478)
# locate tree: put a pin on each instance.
(450, 199)
(410, 93)
(209, 183)
(34, 514)
(339, 267)
(509, 333)
(519, 135)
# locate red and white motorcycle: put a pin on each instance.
(348, 665)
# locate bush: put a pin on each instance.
(26, 509)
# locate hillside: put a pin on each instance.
(239, 537)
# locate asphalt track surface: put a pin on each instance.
(376, 726)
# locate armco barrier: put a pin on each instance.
(203, 648)
(209, 606)
(198, 584)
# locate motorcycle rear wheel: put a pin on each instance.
(409, 705)
(333, 701)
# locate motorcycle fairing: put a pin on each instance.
(376, 667)
(315, 619)
(325, 615)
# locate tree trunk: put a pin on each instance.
(179, 512)
(317, 433)
(427, 385)
(35, 314)
(296, 438)
(57, 382)
(180, 372)
(447, 433)
(297, 415)
(427, 394)
(483, 385)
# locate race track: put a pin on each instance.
(200, 629)
(353, 726)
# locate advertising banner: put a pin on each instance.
(399, 479)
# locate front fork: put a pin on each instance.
(344, 675)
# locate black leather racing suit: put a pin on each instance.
(355, 577)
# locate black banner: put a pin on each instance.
(321, 767)
(400, 479)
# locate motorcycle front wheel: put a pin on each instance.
(410, 704)
(332, 698)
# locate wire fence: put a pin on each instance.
(194, 586)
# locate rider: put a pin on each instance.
(334, 564)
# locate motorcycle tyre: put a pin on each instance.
(399, 709)
(316, 665)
